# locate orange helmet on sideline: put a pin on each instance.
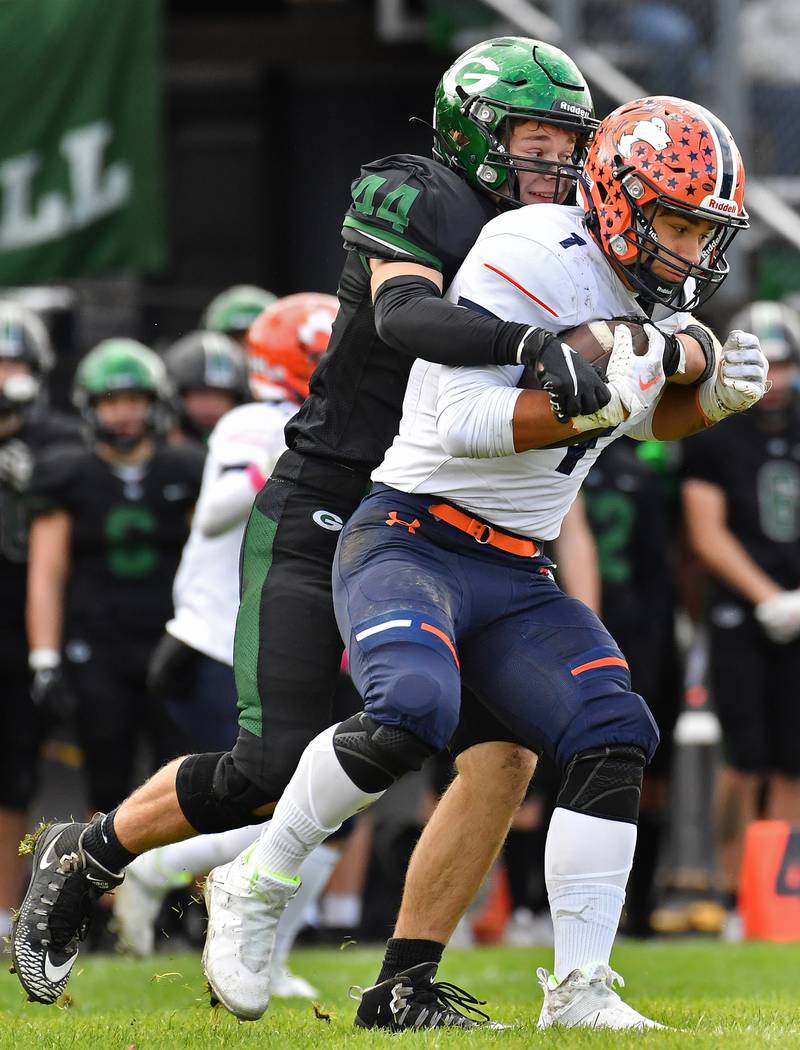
(286, 342)
(656, 154)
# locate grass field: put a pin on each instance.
(727, 996)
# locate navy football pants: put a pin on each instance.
(421, 604)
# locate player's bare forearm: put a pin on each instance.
(705, 512)
(535, 426)
(728, 560)
(576, 555)
(48, 567)
(678, 414)
(44, 613)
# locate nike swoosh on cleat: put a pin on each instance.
(46, 858)
(55, 973)
(649, 383)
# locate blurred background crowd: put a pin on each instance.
(162, 165)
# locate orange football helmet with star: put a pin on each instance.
(663, 153)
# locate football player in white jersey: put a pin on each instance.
(442, 572)
(192, 667)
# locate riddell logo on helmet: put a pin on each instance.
(569, 107)
(718, 204)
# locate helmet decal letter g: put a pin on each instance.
(475, 83)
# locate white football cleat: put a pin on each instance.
(287, 985)
(139, 901)
(586, 999)
(240, 940)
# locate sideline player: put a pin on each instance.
(109, 523)
(26, 358)
(442, 570)
(518, 138)
(192, 666)
(741, 498)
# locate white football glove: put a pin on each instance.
(780, 616)
(740, 380)
(635, 381)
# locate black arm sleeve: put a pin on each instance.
(412, 317)
(703, 337)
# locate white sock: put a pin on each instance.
(587, 861)
(179, 862)
(318, 798)
(314, 876)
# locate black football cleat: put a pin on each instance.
(55, 913)
(412, 999)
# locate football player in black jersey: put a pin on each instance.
(26, 357)
(109, 525)
(742, 502)
(512, 117)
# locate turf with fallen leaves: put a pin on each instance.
(740, 997)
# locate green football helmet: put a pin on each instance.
(115, 365)
(499, 81)
(235, 309)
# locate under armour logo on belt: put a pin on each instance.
(393, 519)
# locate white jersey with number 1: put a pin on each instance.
(538, 266)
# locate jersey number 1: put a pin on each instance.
(395, 206)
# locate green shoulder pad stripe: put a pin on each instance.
(391, 240)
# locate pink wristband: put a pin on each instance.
(257, 479)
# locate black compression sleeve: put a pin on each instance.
(703, 337)
(412, 317)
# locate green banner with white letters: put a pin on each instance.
(79, 138)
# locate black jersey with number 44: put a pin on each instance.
(407, 209)
(128, 528)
